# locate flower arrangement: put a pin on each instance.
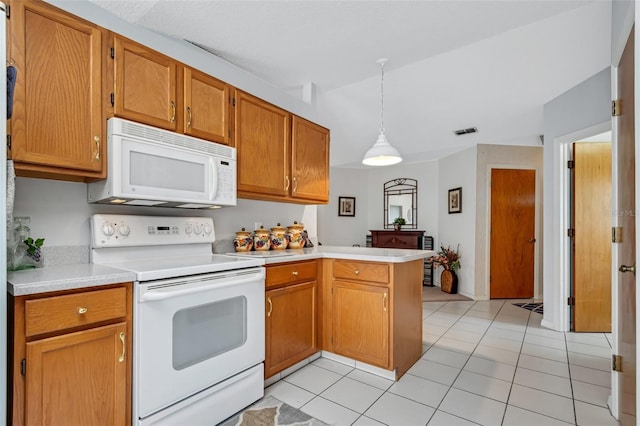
(448, 258)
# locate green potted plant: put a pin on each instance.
(449, 259)
(398, 222)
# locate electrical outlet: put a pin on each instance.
(257, 225)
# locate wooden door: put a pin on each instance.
(262, 140)
(290, 326)
(78, 378)
(309, 161)
(145, 85)
(361, 322)
(626, 211)
(512, 244)
(206, 107)
(591, 190)
(57, 116)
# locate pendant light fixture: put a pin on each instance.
(381, 153)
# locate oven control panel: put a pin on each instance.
(109, 230)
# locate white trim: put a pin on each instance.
(537, 253)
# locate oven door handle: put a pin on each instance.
(155, 295)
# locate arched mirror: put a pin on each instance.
(401, 201)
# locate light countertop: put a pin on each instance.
(82, 275)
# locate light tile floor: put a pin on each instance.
(484, 362)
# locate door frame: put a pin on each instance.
(537, 253)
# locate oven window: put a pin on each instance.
(202, 332)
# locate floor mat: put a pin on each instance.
(534, 307)
(271, 412)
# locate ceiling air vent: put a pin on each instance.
(465, 131)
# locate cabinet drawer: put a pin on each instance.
(361, 271)
(397, 241)
(290, 273)
(61, 312)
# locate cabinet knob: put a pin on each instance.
(173, 111)
(357, 272)
(294, 273)
(189, 117)
(270, 306)
(96, 141)
(124, 347)
(82, 310)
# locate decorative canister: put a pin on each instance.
(296, 240)
(243, 241)
(279, 238)
(261, 240)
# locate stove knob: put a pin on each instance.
(124, 230)
(188, 229)
(197, 230)
(207, 229)
(108, 229)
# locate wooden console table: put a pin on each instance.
(409, 239)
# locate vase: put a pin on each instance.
(396, 226)
(449, 281)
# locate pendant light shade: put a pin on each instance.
(381, 153)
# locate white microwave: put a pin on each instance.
(147, 166)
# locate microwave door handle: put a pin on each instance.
(155, 296)
(214, 179)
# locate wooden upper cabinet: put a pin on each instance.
(206, 107)
(56, 129)
(262, 141)
(309, 161)
(281, 157)
(145, 85)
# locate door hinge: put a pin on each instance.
(571, 164)
(113, 99)
(8, 141)
(616, 234)
(616, 108)
(23, 367)
(7, 11)
(571, 301)
(113, 53)
(233, 102)
(616, 363)
(571, 232)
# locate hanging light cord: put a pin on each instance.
(382, 98)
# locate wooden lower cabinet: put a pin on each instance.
(372, 312)
(70, 357)
(291, 314)
(361, 322)
(291, 326)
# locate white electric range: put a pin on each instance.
(198, 318)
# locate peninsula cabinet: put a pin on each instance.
(291, 314)
(57, 129)
(281, 157)
(70, 357)
(372, 312)
(154, 89)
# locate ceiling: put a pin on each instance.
(452, 64)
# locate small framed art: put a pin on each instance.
(455, 200)
(346, 206)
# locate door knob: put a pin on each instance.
(625, 268)
(532, 240)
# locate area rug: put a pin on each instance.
(435, 294)
(534, 307)
(272, 412)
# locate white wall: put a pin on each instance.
(60, 213)
(503, 157)
(582, 111)
(367, 186)
(459, 170)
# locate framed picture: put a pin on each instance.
(455, 200)
(346, 206)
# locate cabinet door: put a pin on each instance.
(145, 85)
(361, 322)
(57, 115)
(78, 378)
(206, 107)
(309, 161)
(262, 142)
(290, 326)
